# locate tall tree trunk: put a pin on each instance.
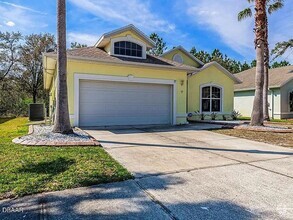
(266, 74)
(62, 122)
(260, 28)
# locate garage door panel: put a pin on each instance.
(119, 103)
(125, 97)
(90, 109)
(108, 121)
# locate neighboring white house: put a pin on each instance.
(280, 92)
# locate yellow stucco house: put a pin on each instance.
(116, 82)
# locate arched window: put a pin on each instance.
(178, 58)
(291, 101)
(211, 99)
(127, 48)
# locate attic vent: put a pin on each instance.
(178, 58)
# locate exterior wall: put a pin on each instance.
(214, 76)
(275, 103)
(285, 90)
(186, 60)
(87, 67)
(52, 94)
(132, 33)
(108, 47)
(243, 102)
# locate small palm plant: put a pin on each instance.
(235, 115)
(213, 116)
(201, 114)
(224, 117)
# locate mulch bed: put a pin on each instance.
(42, 135)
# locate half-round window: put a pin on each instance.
(178, 58)
(127, 48)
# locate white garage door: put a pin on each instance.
(103, 103)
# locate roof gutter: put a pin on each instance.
(251, 89)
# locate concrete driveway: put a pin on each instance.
(181, 173)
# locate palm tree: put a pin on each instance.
(282, 47)
(276, 5)
(260, 32)
(62, 123)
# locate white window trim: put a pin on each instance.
(221, 99)
(130, 78)
(130, 39)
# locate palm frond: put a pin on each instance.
(282, 47)
(275, 6)
(244, 14)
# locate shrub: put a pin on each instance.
(200, 114)
(213, 116)
(235, 115)
(224, 117)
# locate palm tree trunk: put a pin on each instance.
(260, 28)
(266, 75)
(62, 122)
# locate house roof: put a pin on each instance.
(99, 55)
(277, 78)
(219, 67)
(185, 52)
(105, 38)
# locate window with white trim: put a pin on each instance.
(178, 58)
(211, 99)
(127, 48)
(291, 101)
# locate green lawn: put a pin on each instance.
(29, 170)
(243, 118)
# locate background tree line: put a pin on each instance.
(21, 71)
(232, 65)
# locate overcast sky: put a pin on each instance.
(205, 24)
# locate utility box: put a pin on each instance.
(36, 112)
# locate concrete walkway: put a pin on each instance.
(181, 173)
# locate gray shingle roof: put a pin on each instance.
(101, 55)
(277, 78)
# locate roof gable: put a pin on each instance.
(125, 31)
(188, 58)
(221, 69)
